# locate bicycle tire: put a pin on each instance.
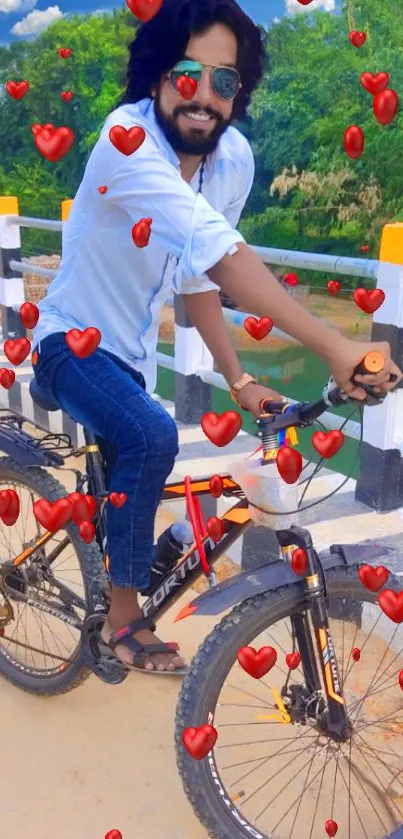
(207, 672)
(93, 574)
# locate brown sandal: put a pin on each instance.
(140, 651)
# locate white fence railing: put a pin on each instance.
(382, 426)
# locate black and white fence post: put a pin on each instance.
(11, 282)
(192, 396)
(380, 485)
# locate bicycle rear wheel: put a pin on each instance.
(41, 650)
(266, 778)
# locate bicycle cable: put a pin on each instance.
(315, 472)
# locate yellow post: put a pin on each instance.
(391, 249)
(66, 206)
(9, 205)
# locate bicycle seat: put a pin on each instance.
(40, 398)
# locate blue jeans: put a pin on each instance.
(137, 438)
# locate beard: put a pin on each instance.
(191, 143)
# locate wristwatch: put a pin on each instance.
(245, 379)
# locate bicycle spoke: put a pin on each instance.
(317, 797)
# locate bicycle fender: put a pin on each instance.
(272, 576)
(22, 448)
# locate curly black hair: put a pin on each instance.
(161, 42)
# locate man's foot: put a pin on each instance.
(154, 661)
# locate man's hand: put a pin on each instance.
(346, 358)
(251, 395)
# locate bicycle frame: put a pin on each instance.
(236, 520)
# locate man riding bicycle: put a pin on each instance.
(191, 177)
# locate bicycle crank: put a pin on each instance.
(97, 655)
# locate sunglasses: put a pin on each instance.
(225, 81)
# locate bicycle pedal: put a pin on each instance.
(97, 655)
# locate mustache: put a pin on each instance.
(198, 111)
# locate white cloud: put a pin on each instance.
(292, 6)
(99, 12)
(9, 6)
(36, 22)
(276, 20)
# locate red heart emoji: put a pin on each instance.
(113, 834)
(392, 604)
(186, 87)
(118, 499)
(92, 505)
(127, 141)
(67, 95)
(29, 314)
(331, 827)
(17, 350)
(333, 287)
(354, 141)
(54, 145)
(5, 501)
(80, 510)
(369, 301)
(215, 528)
(356, 654)
(327, 443)
(84, 507)
(83, 343)
(373, 578)
(13, 510)
(7, 378)
(87, 531)
(102, 189)
(53, 516)
(144, 9)
(221, 429)
(17, 89)
(401, 679)
(198, 742)
(304, 2)
(293, 660)
(216, 486)
(357, 38)
(289, 464)
(141, 232)
(291, 279)
(65, 52)
(365, 248)
(374, 83)
(257, 664)
(299, 561)
(385, 105)
(258, 328)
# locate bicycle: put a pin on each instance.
(313, 702)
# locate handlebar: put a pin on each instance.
(282, 415)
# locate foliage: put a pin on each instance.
(308, 195)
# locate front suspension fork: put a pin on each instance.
(335, 718)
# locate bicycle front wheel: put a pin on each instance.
(272, 777)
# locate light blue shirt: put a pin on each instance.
(103, 279)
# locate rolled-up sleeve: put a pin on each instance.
(145, 184)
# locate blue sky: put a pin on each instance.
(21, 19)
